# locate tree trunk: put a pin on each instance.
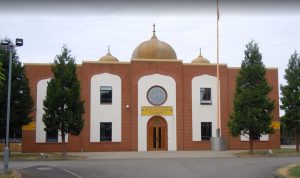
(9, 148)
(297, 137)
(63, 148)
(251, 145)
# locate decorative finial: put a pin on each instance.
(108, 50)
(154, 36)
(200, 52)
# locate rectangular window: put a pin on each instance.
(205, 130)
(105, 95)
(105, 131)
(205, 94)
(256, 137)
(52, 136)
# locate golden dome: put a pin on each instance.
(201, 59)
(108, 57)
(154, 49)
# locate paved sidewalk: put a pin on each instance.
(287, 146)
(156, 154)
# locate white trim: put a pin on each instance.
(203, 112)
(245, 138)
(40, 133)
(144, 84)
(106, 112)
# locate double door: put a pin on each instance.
(157, 137)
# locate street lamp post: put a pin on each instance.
(10, 45)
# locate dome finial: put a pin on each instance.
(200, 59)
(108, 49)
(108, 57)
(154, 35)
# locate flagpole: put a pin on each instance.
(218, 143)
(218, 76)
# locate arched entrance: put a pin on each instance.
(157, 131)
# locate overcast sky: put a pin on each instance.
(87, 28)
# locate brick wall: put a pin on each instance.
(274, 139)
(130, 74)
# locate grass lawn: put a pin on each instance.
(295, 171)
(37, 156)
(10, 175)
(276, 152)
(289, 171)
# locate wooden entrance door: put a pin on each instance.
(157, 134)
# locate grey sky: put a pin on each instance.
(87, 28)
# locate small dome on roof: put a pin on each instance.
(108, 57)
(201, 59)
(154, 49)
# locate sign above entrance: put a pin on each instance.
(30, 126)
(276, 125)
(157, 110)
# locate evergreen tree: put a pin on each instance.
(21, 101)
(2, 77)
(63, 106)
(252, 110)
(291, 98)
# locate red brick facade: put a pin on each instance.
(130, 74)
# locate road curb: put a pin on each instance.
(277, 175)
(154, 155)
(16, 174)
(279, 172)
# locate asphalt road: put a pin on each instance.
(45, 171)
(152, 168)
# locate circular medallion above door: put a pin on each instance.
(157, 95)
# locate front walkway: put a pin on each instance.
(156, 154)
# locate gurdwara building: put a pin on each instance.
(154, 102)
